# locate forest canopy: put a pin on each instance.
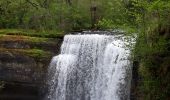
(81, 14)
(64, 14)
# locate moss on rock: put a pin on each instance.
(35, 53)
(32, 33)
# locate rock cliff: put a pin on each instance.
(23, 65)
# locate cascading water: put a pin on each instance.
(91, 67)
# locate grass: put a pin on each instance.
(32, 33)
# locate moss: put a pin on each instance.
(23, 38)
(35, 53)
(33, 33)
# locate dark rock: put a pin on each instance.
(134, 81)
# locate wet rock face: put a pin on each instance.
(23, 67)
(23, 77)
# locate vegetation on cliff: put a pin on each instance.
(32, 33)
(25, 43)
(34, 53)
(153, 49)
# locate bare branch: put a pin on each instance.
(33, 4)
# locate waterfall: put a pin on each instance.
(91, 67)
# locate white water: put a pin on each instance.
(91, 67)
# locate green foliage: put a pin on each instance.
(105, 24)
(153, 69)
(41, 15)
(62, 15)
(152, 48)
